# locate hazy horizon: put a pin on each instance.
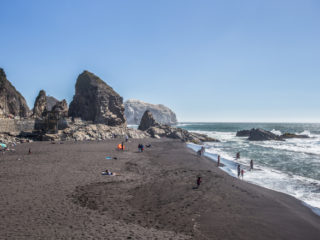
(209, 61)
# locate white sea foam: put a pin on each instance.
(277, 132)
(302, 188)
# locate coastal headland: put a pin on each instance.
(58, 192)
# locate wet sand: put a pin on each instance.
(58, 192)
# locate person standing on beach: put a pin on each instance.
(202, 151)
(29, 151)
(198, 181)
(242, 172)
(238, 170)
(127, 138)
(251, 165)
(218, 164)
(238, 155)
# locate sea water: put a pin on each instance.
(291, 166)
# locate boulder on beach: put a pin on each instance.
(134, 110)
(96, 101)
(156, 130)
(11, 101)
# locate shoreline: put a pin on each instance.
(58, 192)
(226, 168)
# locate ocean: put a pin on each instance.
(291, 166)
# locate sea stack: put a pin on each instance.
(96, 101)
(11, 101)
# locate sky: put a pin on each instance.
(209, 61)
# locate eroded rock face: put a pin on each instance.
(60, 109)
(40, 105)
(95, 101)
(11, 101)
(51, 101)
(157, 130)
(147, 121)
(134, 110)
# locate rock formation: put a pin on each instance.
(157, 130)
(40, 105)
(263, 135)
(243, 133)
(95, 101)
(51, 101)
(134, 109)
(11, 101)
(147, 121)
(292, 135)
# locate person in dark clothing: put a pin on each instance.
(29, 151)
(198, 181)
(218, 163)
(251, 165)
(238, 155)
(239, 170)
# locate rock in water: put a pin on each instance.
(157, 130)
(134, 109)
(292, 135)
(262, 135)
(243, 133)
(95, 101)
(11, 101)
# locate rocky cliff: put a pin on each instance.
(11, 101)
(95, 101)
(134, 109)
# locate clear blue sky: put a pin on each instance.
(207, 60)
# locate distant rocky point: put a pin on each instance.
(157, 130)
(134, 109)
(257, 134)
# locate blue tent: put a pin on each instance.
(3, 145)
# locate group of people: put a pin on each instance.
(140, 147)
(241, 171)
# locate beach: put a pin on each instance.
(58, 192)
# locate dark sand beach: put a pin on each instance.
(58, 192)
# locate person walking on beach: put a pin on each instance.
(238, 170)
(127, 138)
(29, 151)
(242, 172)
(202, 151)
(198, 181)
(251, 165)
(218, 163)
